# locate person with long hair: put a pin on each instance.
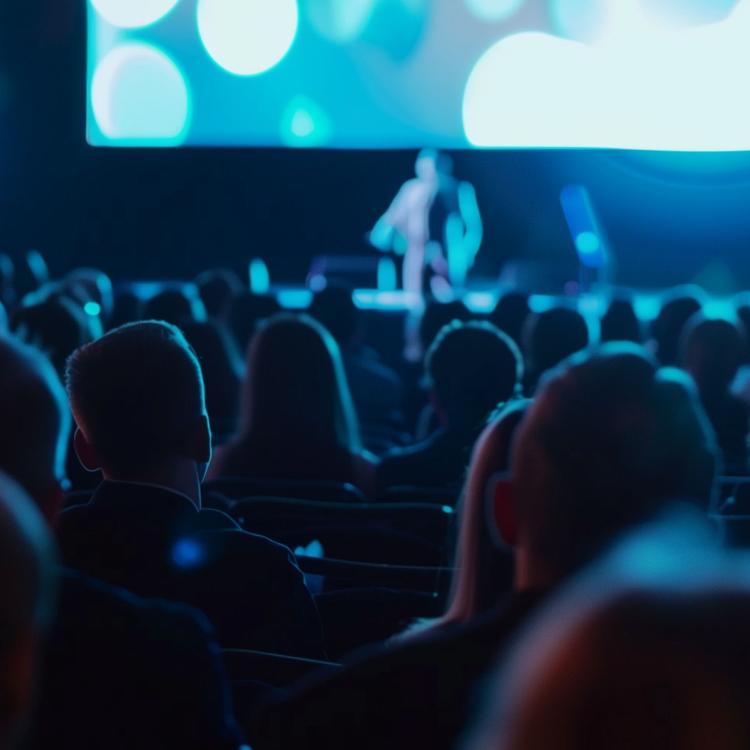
(297, 420)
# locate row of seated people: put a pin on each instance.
(608, 443)
(327, 414)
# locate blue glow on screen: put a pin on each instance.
(626, 74)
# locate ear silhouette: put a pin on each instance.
(85, 451)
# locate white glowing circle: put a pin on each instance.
(132, 14)
(636, 88)
(139, 94)
(247, 37)
(494, 10)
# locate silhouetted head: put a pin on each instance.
(609, 441)
(510, 314)
(138, 400)
(622, 660)
(56, 325)
(127, 308)
(296, 392)
(27, 594)
(334, 308)
(668, 327)
(552, 336)
(483, 571)
(34, 424)
(175, 306)
(712, 352)
(217, 288)
(472, 368)
(245, 312)
(620, 322)
(436, 316)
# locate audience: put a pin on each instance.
(484, 571)
(596, 646)
(620, 322)
(608, 443)
(176, 305)
(27, 583)
(93, 689)
(712, 354)
(666, 330)
(246, 311)
(298, 422)
(510, 314)
(549, 338)
(56, 325)
(222, 371)
(137, 397)
(377, 390)
(471, 369)
(634, 658)
(217, 288)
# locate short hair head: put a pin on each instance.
(608, 442)
(334, 308)
(135, 394)
(472, 368)
(34, 418)
(552, 336)
(712, 351)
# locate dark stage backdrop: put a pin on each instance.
(142, 214)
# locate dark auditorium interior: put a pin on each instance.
(374, 374)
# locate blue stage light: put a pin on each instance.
(494, 10)
(93, 309)
(588, 243)
(131, 14)
(140, 97)
(259, 277)
(247, 37)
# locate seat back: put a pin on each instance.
(403, 533)
(238, 488)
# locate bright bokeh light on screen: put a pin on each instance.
(139, 95)
(640, 86)
(247, 37)
(339, 21)
(305, 124)
(132, 14)
(494, 10)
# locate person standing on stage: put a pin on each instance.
(434, 222)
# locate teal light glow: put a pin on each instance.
(387, 275)
(93, 309)
(339, 21)
(132, 14)
(247, 37)
(259, 277)
(304, 123)
(494, 10)
(295, 299)
(640, 85)
(588, 243)
(140, 97)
